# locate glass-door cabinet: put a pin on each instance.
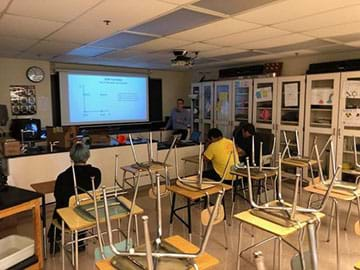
(242, 102)
(195, 106)
(321, 112)
(264, 103)
(349, 121)
(206, 108)
(290, 112)
(223, 93)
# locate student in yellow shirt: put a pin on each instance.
(219, 152)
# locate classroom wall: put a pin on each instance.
(296, 65)
(13, 72)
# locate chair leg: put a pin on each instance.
(233, 201)
(239, 247)
(54, 241)
(225, 235)
(136, 230)
(72, 250)
(348, 216)
(332, 213)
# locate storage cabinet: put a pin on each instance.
(290, 111)
(195, 106)
(242, 102)
(222, 117)
(349, 119)
(206, 108)
(264, 104)
(321, 112)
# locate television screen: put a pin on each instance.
(100, 98)
(31, 129)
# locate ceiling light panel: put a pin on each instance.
(122, 40)
(248, 36)
(281, 11)
(64, 10)
(161, 44)
(215, 29)
(179, 20)
(122, 14)
(336, 17)
(89, 51)
(230, 6)
(24, 27)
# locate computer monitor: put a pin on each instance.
(31, 129)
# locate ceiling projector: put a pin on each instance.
(183, 58)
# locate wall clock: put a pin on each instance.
(35, 74)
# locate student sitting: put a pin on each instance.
(243, 140)
(218, 153)
(64, 186)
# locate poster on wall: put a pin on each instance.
(322, 96)
(23, 99)
(352, 117)
(263, 94)
(291, 97)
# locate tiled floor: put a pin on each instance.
(350, 248)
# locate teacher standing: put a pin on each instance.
(179, 119)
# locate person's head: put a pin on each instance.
(248, 130)
(214, 135)
(79, 153)
(180, 104)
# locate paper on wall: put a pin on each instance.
(263, 94)
(322, 96)
(352, 117)
(352, 89)
(291, 98)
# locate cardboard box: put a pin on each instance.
(64, 135)
(10, 147)
(100, 139)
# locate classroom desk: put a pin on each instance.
(136, 171)
(191, 159)
(255, 175)
(301, 164)
(191, 196)
(15, 200)
(204, 261)
(278, 231)
(75, 224)
(44, 188)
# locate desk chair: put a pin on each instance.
(153, 165)
(157, 255)
(290, 217)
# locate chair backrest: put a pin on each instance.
(287, 142)
(263, 148)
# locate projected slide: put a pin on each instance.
(99, 98)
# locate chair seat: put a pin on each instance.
(57, 225)
(121, 246)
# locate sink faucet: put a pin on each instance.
(52, 144)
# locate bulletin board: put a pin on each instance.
(23, 99)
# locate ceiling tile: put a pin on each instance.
(161, 44)
(347, 38)
(53, 48)
(25, 27)
(219, 52)
(122, 40)
(275, 42)
(248, 36)
(64, 10)
(179, 20)
(123, 14)
(281, 11)
(180, 2)
(230, 6)
(89, 51)
(354, 44)
(17, 44)
(3, 5)
(310, 44)
(199, 47)
(335, 48)
(336, 30)
(214, 30)
(338, 16)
